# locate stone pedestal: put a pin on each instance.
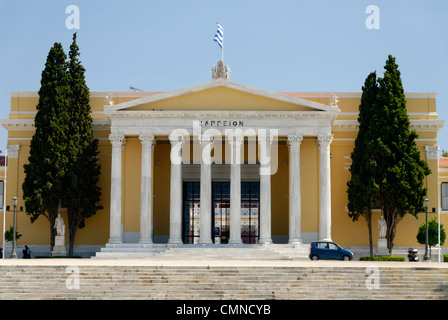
(59, 247)
(381, 249)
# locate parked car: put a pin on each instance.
(329, 250)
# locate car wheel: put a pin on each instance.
(346, 258)
(314, 257)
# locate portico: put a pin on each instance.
(214, 124)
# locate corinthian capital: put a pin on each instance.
(432, 152)
(148, 141)
(235, 138)
(176, 138)
(295, 140)
(13, 150)
(206, 139)
(116, 139)
(324, 141)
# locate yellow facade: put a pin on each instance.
(422, 113)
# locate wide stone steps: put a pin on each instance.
(199, 282)
(206, 252)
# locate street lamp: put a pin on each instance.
(15, 201)
(426, 204)
(13, 252)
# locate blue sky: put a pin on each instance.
(321, 45)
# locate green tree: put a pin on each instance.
(48, 160)
(81, 193)
(400, 171)
(10, 234)
(362, 188)
(433, 233)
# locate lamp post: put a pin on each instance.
(426, 204)
(13, 252)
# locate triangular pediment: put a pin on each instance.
(220, 95)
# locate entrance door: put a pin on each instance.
(221, 212)
(190, 225)
(250, 202)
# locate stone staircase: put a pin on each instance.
(205, 252)
(312, 280)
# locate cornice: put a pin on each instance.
(28, 124)
(292, 115)
(140, 94)
(417, 125)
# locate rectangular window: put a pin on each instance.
(444, 196)
(1, 194)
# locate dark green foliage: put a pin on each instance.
(401, 171)
(48, 160)
(362, 188)
(433, 233)
(10, 234)
(81, 191)
(386, 165)
(383, 258)
(63, 164)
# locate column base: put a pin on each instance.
(265, 241)
(145, 241)
(175, 242)
(114, 241)
(235, 241)
(295, 241)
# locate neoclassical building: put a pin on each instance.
(222, 163)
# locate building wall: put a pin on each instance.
(344, 230)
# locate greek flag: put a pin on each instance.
(219, 35)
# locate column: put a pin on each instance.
(115, 236)
(295, 210)
(148, 142)
(176, 189)
(264, 147)
(325, 187)
(235, 140)
(205, 214)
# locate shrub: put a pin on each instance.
(57, 257)
(382, 258)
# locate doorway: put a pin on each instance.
(250, 203)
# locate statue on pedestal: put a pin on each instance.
(59, 226)
(59, 239)
(382, 227)
(381, 249)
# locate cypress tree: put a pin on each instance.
(362, 188)
(400, 171)
(81, 191)
(48, 160)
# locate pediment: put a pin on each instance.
(220, 95)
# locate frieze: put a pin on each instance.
(223, 115)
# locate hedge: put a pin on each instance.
(382, 258)
(57, 257)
